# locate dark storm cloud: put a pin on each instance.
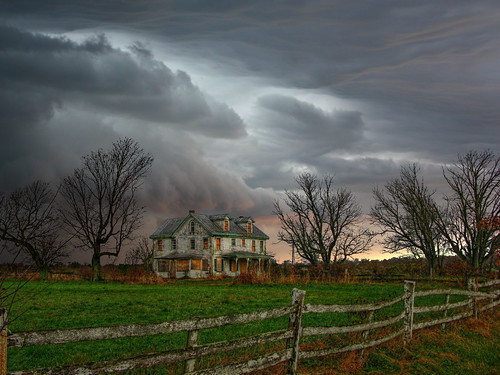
(294, 120)
(41, 72)
(407, 81)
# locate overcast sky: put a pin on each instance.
(234, 98)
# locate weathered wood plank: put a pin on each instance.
(314, 331)
(250, 365)
(308, 308)
(323, 352)
(456, 292)
(153, 359)
(424, 309)
(60, 336)
(489, 305)
(488, 283)
(442, 320)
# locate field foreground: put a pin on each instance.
(469, 346)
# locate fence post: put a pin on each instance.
(295, 325)
(445, 314)
(409, 299)
(364, 335)
(3, 341)
(472, 286)
(192, 341)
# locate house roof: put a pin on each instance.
(208, 222)
(178, 255)
(245, 254)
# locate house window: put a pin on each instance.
(174, 243)
(191, 229)
(249, 227)
(218, 265)
(261, 246)
(196, 264)
(233, 265)
(233, 242)
(253, 245)
(204, 264)
(160, 245)
(205, 242)
(193, 243)
(226, 225)
(163, 266)
(217, 244)
(243, 242)
(182, 265)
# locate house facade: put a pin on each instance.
(199, 245)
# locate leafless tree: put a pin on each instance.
(142, 253)
(29, 220)
(323, 222)
(408, 216)
(100, 199)
(474, 207)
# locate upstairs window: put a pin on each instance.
(193, 243)
(261, 246)
(253, 245)
(233, 242)
(243, 242)
(205, 242)
(249, 227)
(217, 244)
(174, 244)
(226, 225)
(191, 228)
(159, 245)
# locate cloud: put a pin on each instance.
(293, 119)
(99, 77)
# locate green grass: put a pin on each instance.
(59, 305)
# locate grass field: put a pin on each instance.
(45, 305)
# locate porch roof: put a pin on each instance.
(178, 255)
(246, 254)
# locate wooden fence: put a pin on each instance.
(402, 323)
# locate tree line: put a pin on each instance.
(95, 208)
(325, 225)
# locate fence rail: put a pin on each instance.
(292, 335)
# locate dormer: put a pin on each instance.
(245, 223)
(223, 221)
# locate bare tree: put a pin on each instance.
(100, 199)
(474, 207)
(142, 253)
(10, 288)
(29, 220)
(323, 222)
(408, 215)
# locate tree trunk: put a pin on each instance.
(96, 265)
(44, 272)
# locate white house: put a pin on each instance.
(199, 245)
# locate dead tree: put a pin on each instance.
(321, 221)
(408, 216)
(29, 220)
(100, 204)
(473, 207)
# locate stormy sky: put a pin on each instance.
(234, 98)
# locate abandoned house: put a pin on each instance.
(199, 245)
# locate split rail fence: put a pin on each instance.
(404, 321)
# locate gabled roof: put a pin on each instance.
(170, 226)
